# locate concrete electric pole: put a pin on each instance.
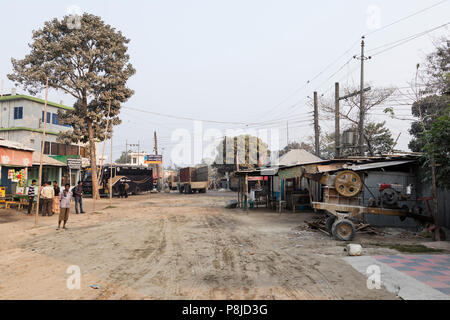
(316, 125)
(362, 107)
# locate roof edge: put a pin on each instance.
(30, 98)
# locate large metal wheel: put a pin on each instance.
(389, 196)
(348, 183)
(329, 222)
(343, 230)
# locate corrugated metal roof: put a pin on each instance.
(46, 160)
(14, 145)
(375, 165)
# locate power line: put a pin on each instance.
(405, 40)
(407, 17)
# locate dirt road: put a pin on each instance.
(173, 246)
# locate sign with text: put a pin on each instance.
(153, 159)
(74, 163)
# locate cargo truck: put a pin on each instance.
(193, 179)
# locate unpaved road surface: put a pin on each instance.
(173, 246)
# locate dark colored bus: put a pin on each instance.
(138, 178)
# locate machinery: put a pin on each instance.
(342, 201)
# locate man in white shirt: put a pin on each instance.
(65, 197)
(47, 194)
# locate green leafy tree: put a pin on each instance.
(430, 105)
(90, 63)
(438, 146)
(124, 157)
(378, 138)
(426, 110)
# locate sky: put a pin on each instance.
(243, 61)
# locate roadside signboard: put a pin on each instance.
(74, 163)
(153, 159)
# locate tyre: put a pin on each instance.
(180, 189)
(329, 222)
(343, 230)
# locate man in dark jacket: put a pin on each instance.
(78, 195)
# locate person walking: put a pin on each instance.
(31, 195)
(78, 195)
(47, 194)
(65, 197)
(55, 201)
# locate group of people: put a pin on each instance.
(55, 201)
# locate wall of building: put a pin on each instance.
(32, 115)
(27, 138)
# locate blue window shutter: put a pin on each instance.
(18, 113)
(43, 116)
(54, 118)
(48, 117)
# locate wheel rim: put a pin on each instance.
(344, 230)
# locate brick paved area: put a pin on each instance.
(431, 269)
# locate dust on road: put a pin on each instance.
(175, 246)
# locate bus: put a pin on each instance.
(138, 178)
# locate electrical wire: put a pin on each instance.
(407, 17)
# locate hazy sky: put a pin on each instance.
(241, 61)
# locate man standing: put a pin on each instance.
(31, 194)
(64, 197)
(47, 194)
(78, 194)
(55, 201)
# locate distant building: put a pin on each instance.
(137, 158)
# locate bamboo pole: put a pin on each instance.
(111, 170)
(36, 217)
(103, 152)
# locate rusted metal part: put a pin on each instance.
(348, 183)
(348, 211)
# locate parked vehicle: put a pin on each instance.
(135, 178)
(173, 181)
(193, 179)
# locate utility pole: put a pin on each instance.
(362, 107)
(316, 124)
(337, 130)
(157, 165)
(287, 135)
(36, 217)
(126, 151)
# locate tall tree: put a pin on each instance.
(438, 145)
(90, 63)
(378, 138)
(430, 105)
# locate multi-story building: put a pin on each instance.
(22, 120)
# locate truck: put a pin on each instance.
(137, 178)
(193, 179)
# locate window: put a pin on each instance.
(134, 160)
(55, 118)
(18, 113)
(48, 116)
